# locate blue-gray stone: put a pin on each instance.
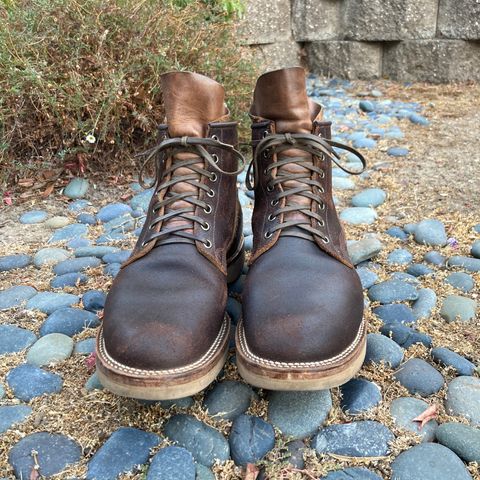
(78, 243)
(54, 453)
(383, 349)
(33, 216)
(77, 188)
(251, 438)
(463, 398)
(366, 106)
(397, 232)
(356, 439)
(395, 313)
(78, 205)
(371, 197)
(397, 152)
(2, 391)
(141, 200)
(339, 183)
(126, 448)
(392, 291)
(113, 210)
(28, 381)
(50, 349)
(117, 257)
(418, 119)
(87, 218)
(418, 376)
(359, 395)
(476, 228)
(456, 307)
(98, 251)
(122, 224)
(203, 473)
(446, 357)
(93, 383)
(431, 232)
(185, 402)
(69, 232)
(228, 399)
(405, 336)
(405, 409)
(15, 296)
(205, 443)
(93, 300)
(234, 309)
(48, 302)
(68, 280)
(50, 256)
(294, 454)
(364, 143)
(15, 339)
(10, 262)
(299, 414)
(405, 277)
(359, 215)
(367, 277)
(399, 256)
(468, 263)
(461, 439)
(85, 347)
(352, 473)
(112, 269)
(435, 258)
(429, 461)
(410, 228)
(10, 415)
(172, 463)
(419, 270)
(109, 238)
(460, 280)
(475, 250)
(364, 249)
(69, 321)
(72, 265)
(425, 303)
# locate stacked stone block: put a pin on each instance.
(405, 40)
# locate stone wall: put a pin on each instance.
(405, 40)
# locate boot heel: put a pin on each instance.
(235, 266)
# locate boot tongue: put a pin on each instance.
(191, 102)
(281, 96)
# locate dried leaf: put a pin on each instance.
(34, 474)
(48, 190)
(429, 414)
(7, 199)
(90, 361)
(251, 472)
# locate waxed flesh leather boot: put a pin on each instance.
(165, 332)
(303, 326)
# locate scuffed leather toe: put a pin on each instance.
(158, 322)
(300, 304)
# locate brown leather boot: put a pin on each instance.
(302, 301)
(165, 332)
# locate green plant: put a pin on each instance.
(80, 78)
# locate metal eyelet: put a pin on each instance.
(208, 209)
(205, 227)
(322, 174)
(265, 133)
(211, 193)
(321, 189)
(271, 217)
(321, 223)
(215, 157)
(270, 188)
(265, 154)
(213, 177)
(322, 206)
(326, 240)
(207, 243)
(268, 234)
(274, 203)
(215, 137)
(144, 244)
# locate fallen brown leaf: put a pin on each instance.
(251, 472)
(429, 414)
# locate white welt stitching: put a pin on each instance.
(289, 365)
(151, 373)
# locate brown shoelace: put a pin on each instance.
(309, 188)
(167, 149)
